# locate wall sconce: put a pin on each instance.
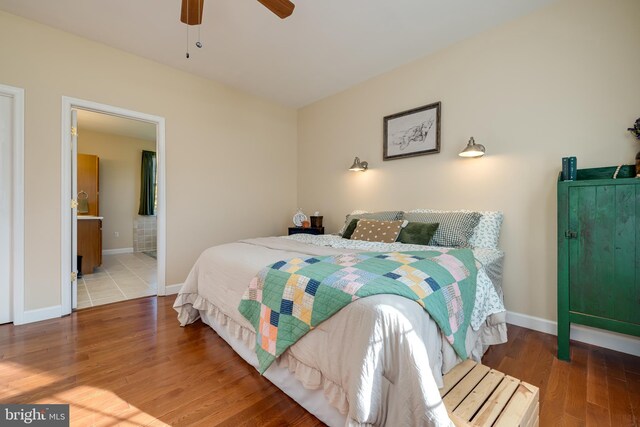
(359, 166)
(472, 149)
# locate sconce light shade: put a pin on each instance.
(472, 149)
(359, 166)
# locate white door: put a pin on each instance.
(6, 186)
(74, 209)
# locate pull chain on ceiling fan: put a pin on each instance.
(191, 13)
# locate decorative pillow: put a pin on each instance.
(487, 232)
(417, 233)
(371, 230)
(350, 228)
(378, 216)
(455, 229)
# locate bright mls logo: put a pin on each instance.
(34, 415)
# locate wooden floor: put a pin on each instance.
(130, 363)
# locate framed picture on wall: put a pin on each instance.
(411, 133)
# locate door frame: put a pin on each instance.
(17, 202)
(69, 103)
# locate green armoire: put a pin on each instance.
(598, 253)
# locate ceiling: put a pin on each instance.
(326, 46)
(105, 123)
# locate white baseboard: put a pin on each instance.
(172, 289)
(117, 251)
(39, 314)
(611, 340)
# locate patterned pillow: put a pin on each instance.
(487, 232)
(371, 230)
(455, 229)
(378, 216)
(350, 228)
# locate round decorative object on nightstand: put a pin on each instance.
(298, 218)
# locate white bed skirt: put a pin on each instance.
(313, 401)
(494, 331)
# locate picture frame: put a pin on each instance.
(411, 133)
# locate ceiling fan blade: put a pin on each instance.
(191, 13)
(282, 8)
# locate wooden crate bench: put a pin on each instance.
(476, 395)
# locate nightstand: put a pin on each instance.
(308, 230)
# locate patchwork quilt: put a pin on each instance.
(289, 298)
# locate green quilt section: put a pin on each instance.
(289, 298)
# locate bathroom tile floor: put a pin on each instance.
(121, 277)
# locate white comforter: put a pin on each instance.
(379, 360)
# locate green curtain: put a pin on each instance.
(148, 184)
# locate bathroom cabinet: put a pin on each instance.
(90, 243)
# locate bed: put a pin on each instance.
(378, 361)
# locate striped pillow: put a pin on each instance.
(455, 229)
(378, 216)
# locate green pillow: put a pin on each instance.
(350, 228)
(417, 233)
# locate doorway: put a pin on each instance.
(116, 222)
(104, 234)
(11, 204)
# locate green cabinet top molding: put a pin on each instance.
(598, 252)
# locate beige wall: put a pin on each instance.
(210, 129)
(562, 81)
(120, 163)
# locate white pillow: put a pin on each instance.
(487, 232)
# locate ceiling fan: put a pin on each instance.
(191, 13)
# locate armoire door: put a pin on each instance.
(603, 258)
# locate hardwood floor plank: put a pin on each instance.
(552, 408)
(597, 390)
(533, 347)
(569, 421)
(633, 386)
(620, 410)
(576, 397)
(630, 363)
(597, 416)
(543, 363)
(615, 367)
